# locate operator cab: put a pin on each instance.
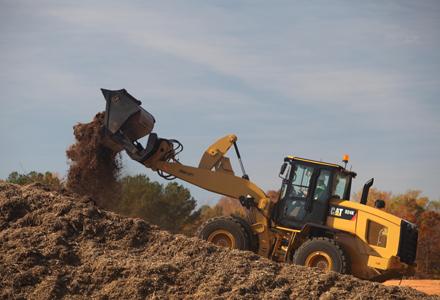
(306, 190)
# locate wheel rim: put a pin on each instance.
(222, 238)
(320, 260)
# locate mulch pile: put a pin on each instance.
(60, 245)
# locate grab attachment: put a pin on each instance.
(125, 122)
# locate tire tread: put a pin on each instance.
(345, 264)
(225, 219)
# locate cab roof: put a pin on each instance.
(339, 167)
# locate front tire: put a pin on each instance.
(322, 253)
(225, 232)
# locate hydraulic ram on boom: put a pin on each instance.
(311, 224)
(126, 122)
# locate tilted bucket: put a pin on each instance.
(124, 117)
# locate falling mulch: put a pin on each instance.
(60, 245)
(94, 168)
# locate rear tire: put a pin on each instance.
(225, 232)
(323, 253)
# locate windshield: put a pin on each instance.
(341, 186)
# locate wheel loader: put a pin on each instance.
(313, 223)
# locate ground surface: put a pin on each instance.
(431, 287)
(56, 245)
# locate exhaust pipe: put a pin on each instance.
(365, 191)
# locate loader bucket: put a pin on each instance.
(125, 120)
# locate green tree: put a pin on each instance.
(169, 206)
(48, 178)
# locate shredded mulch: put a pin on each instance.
(94, 168)
(56, 245)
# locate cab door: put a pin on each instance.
(317, 205)
(304, 196)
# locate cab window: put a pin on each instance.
(294, 193)
(301, 181)
(340, 185)
(322, 186)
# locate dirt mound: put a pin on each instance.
(94, 169)
(56, 245)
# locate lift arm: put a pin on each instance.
(126, 121)
(214, 172)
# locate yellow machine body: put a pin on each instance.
(372, 250)
(370, 237)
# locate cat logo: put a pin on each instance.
(342, 212)
(336, 211)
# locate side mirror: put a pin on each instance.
(283, 171)
(379, 204)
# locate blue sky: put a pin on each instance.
(315, 79)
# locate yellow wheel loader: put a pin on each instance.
(313, 223)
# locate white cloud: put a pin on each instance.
(192, 37)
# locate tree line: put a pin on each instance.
(172, 207)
